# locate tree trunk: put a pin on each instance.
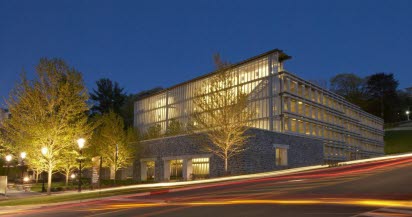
(67, 178)
(37, 175)
(225, 166)
(49, 180)
(226, 162)
(112, 172)
(100, 171)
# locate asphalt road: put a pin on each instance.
(372, 189)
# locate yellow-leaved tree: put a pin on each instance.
(113, 143)
(49, 113)
(222, 114)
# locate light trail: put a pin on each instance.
(317, 201)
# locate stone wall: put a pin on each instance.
(259, 155)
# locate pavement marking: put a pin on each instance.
(387, 212)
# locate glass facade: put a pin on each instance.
(348, 132)
(283, 103)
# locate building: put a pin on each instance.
(296, 123)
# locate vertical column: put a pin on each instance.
(166, 170)
(167, 111)
(288, 85)
(303, 91)
(310, 111)
(143, 171)
(290, 125)
(187, 169)
(270, 91)
(290, 105)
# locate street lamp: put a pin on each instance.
(407, 114)
(8, 159)
(44, 151)
(80, 142)
(23, 156)
(73, 176)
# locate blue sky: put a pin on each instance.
(143, 44)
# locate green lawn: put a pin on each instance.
(398, 141)
(45, 199)
(37, 187)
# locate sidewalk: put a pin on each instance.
(16, 194)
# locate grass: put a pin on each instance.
(56, 198)
(398, 141)
(37, 187)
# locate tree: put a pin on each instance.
(381, 92)
(350, 86)
(69, 165)
(174, 128)
(154, 131)
(48, 114)
(113, 143)
(108, 96)
(222, 113)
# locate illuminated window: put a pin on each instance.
(150, 166)
(307, 128)
(301, 127)
(300, 90)
(286, 125)
(293, 86)
(293, 125)
(281, 158)
(176, 171)
(300, 108)
(200, 167)
(293, 106)
(307, 110)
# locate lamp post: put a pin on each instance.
(23, 156)
(44, 151)
(8, 159)
(73, 176)
(80, 142)
(407, 114)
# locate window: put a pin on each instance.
(293, 106)
(281, 156)
(300, 108)
(307, 128)
(176, 171)
(293, 125)
(200, 167)
(300, 90)
(300, 127)
(293, 86)
(150, 170)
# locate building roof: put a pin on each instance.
(282, 57)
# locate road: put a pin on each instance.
(382, 188)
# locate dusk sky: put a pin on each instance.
(144, 44)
